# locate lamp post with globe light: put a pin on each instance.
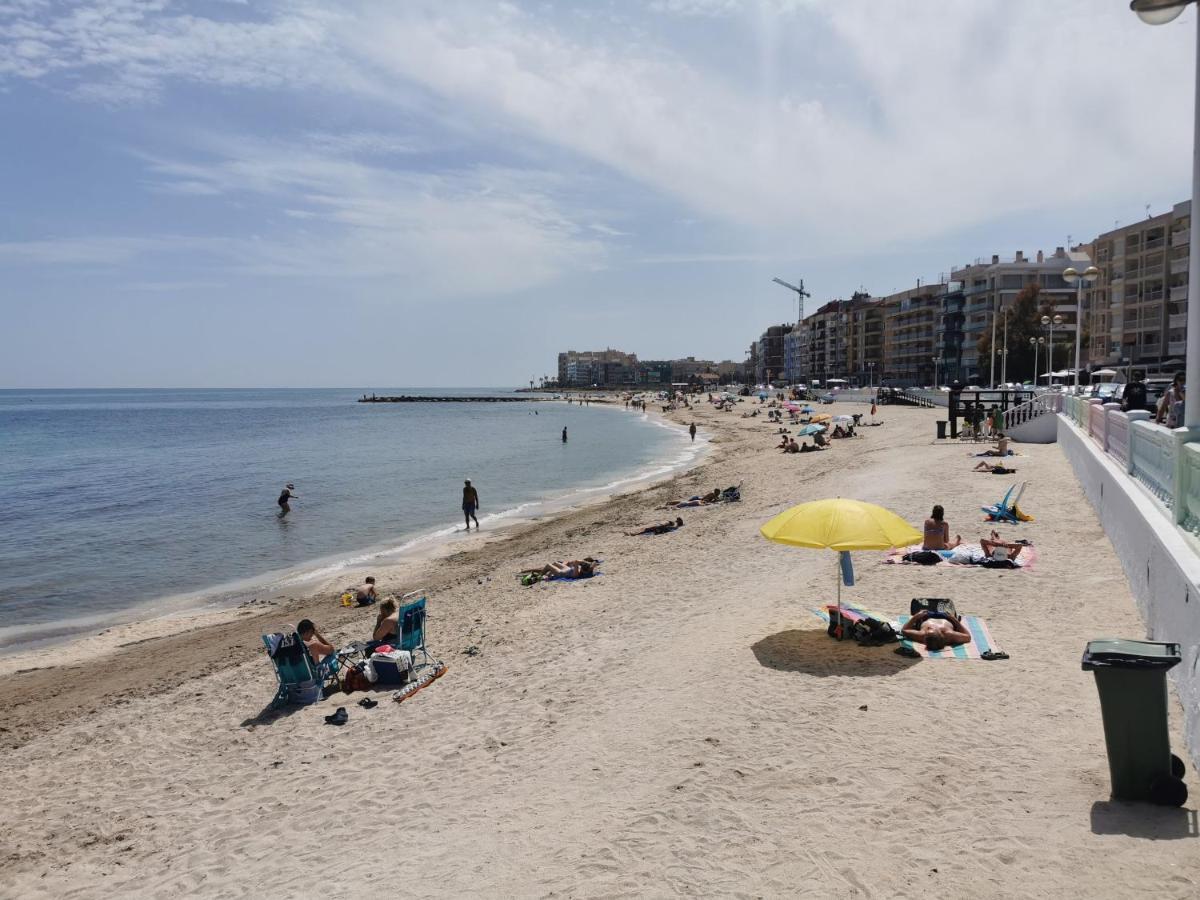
(1070, 276)
(1035, 343)
(1046, 320)
(1160, 12)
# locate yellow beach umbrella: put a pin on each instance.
(842, 525)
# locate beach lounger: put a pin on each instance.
(300, 679)
(412, 632)
(1006, 509)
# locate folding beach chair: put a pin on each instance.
(1006, 511)
(300, 679)
(412, 631)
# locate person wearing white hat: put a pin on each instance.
(284, 497)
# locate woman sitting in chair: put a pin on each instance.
(387, 623)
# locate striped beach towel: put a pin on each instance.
(981, 635)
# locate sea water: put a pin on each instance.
(113, 501)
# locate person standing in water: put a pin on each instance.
(284, 497)
(470, 504)
(564, 434)
(692, 431)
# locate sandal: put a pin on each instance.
(905, 650)
(338, 718)
(993, 654)
(368, 703)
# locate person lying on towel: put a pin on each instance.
(571, 568)
(936, 630)
(994, 468)
(658, 529)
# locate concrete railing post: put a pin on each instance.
(1182, 471)
(1138, 415)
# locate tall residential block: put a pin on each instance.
(1137, 308)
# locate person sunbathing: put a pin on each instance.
(999, 551)
(792, 447)
(937, 532)
(387, 622)
(804, 448)
(838, 432)
(936, 630)
(1001, 448)
(318, 648)
(571, 568)
(993, 468)
(783, 442)
(658, 529)
(820, 440)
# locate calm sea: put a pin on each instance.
(114, 499)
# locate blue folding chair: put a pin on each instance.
(412, 631)
(1006, 511)
(300, 679)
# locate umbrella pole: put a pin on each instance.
(837, 577)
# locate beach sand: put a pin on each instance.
(680, 725)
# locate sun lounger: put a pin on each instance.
(300, 679)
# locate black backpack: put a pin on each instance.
(874, 633)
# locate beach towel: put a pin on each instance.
(959, 558)
(981, 636)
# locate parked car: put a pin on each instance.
(1105, 390)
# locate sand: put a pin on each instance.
(681, 725)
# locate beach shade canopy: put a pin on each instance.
(840, 524)
(823, 417)
(844, 420)
(809, 430)
(1104, 373)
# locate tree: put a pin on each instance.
(1024, 322)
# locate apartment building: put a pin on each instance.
(600, 367)
(686, 370)
(910, 324)
(1137, 308)
(864, 340)
(981, 292)
(769, 363)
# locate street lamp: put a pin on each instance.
(1046, 320)
(871, 374)
(1035, 343)
(1070, 276)
(1160, 12)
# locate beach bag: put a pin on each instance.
(924, 557)
(530, 579)
(355, 680)
(870, 632)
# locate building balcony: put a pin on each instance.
(1181, 238)
(1177, 348)
(1179, 265)
(1154, 243)
(1180, 292)
(1179, 320)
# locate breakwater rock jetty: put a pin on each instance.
(408, 398)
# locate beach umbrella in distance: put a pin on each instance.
(842, 525)
(823, 417)
(843, 420)
(809, 430)
(806, 409)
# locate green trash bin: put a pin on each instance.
(1131, 677)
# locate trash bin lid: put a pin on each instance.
(1121, 654)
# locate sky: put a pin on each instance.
(219, 193)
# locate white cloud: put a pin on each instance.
(923, 118)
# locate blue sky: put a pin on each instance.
(377, 194)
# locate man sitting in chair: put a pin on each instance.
(936, 630)
(318, 648)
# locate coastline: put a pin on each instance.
(422, 562)
(682, 725)
(306, 581)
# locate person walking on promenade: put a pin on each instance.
(1170, 405)
(564, 434)
(470, 503)
(285, 496)
(692, 431)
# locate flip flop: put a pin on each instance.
(993, 654)
(905, 650)
(368, 703)
(338, 718)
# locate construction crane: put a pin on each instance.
(801, 293)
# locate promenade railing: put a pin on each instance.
(1165, 461)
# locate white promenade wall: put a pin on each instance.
(1162, 569)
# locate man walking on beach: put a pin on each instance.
(470, 504)
(692, 431)
(284, 497)
(564, 434)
